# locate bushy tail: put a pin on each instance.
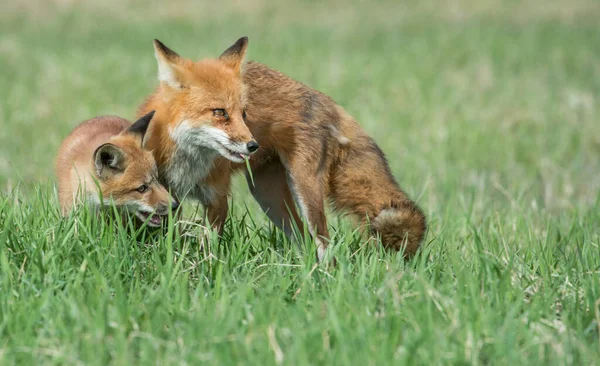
(401, 225)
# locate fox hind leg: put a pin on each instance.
(309, 196)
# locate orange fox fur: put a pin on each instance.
(310, 148)
(108, 150)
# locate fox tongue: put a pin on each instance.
(244, 156)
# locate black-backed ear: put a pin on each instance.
(165, 51)
(234, 55)
(109, 160)
(167, 64)
(140, 126)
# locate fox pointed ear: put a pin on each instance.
(140, 126)
(109, 160)
(234, 55)
(167, 64)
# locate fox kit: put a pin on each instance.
(108, 150)
(212, 114)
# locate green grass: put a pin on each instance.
(488, 112)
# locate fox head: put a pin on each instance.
(126, 172)
(205, 101)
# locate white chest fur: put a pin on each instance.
(190, 164)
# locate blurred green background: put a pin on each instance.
(493, 99)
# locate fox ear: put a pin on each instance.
(167, 64)
(109, 160)
(234, 55)
(140, 126)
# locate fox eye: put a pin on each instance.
(220, 113)
(244, 114)
(143, 188)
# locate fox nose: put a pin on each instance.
(252, 146)
(174, 205)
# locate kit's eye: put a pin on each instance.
(143, 188)
(220, 113)
(244, 114)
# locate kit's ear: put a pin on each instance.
(109, 160)
(139, 127)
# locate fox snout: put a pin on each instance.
(163, 208)
(163, 201)
(235, 148)
(252, 146)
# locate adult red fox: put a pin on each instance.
(214, 113)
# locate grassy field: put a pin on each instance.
(489, 114)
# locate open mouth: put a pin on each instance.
(234, 156)
(153, 220)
